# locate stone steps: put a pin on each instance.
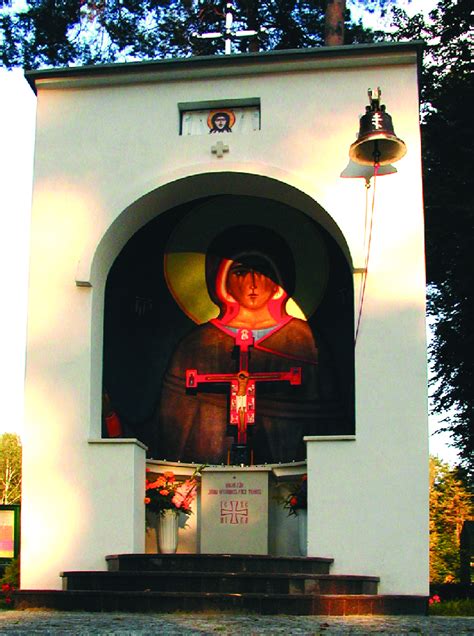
(218, 563)
(216, 583)
(297, 604)
(220, 582)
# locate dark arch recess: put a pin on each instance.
(143, 324)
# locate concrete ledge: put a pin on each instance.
(117, 440)
(329, 438)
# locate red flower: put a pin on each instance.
(8, 600)
(293, 501)
(6, 587)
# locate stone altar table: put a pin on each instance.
(234, 510)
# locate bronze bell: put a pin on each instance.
(377, 142)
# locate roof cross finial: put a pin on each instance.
(229, 35)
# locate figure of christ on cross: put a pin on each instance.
(242, 391)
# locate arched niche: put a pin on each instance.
(143, 228)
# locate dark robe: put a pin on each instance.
(194, 426)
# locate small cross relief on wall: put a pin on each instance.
(219, 149)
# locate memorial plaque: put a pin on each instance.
(234, 511)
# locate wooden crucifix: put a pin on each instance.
(242, 386)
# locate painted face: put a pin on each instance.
(251, 288)
(220, 122)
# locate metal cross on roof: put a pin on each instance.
(229, 35)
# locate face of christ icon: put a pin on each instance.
(221, 121)
(245, 367)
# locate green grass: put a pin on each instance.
(460, 607)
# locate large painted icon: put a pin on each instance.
(250, 277)
(252, 342)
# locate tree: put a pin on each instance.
(448, 154)
(63, 32)
(334, 22)
(10, 469)
(450, 506)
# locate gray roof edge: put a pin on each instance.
(240, 59)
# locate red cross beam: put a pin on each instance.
(242, 385)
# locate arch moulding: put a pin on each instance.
(94, 266)
(97, 259)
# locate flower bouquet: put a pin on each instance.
(167, 493)
(297, 499)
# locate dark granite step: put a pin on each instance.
(218, 563)
(220, 582)
(297, 604)
(201, 583)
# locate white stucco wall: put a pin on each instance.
(108, 159)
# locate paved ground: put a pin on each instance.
(46, 622)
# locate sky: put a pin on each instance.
(17, 126)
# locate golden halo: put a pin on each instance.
(227, 111)
(185, 252)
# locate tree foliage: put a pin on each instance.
(450, 506)
(448, 154)
(71, 32)
(10, 469)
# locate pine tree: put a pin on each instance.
(71, 32)
(450, 506)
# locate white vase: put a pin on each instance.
(168, 531)
(303, 531)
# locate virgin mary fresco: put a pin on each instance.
(250, 277)
(178, 295)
